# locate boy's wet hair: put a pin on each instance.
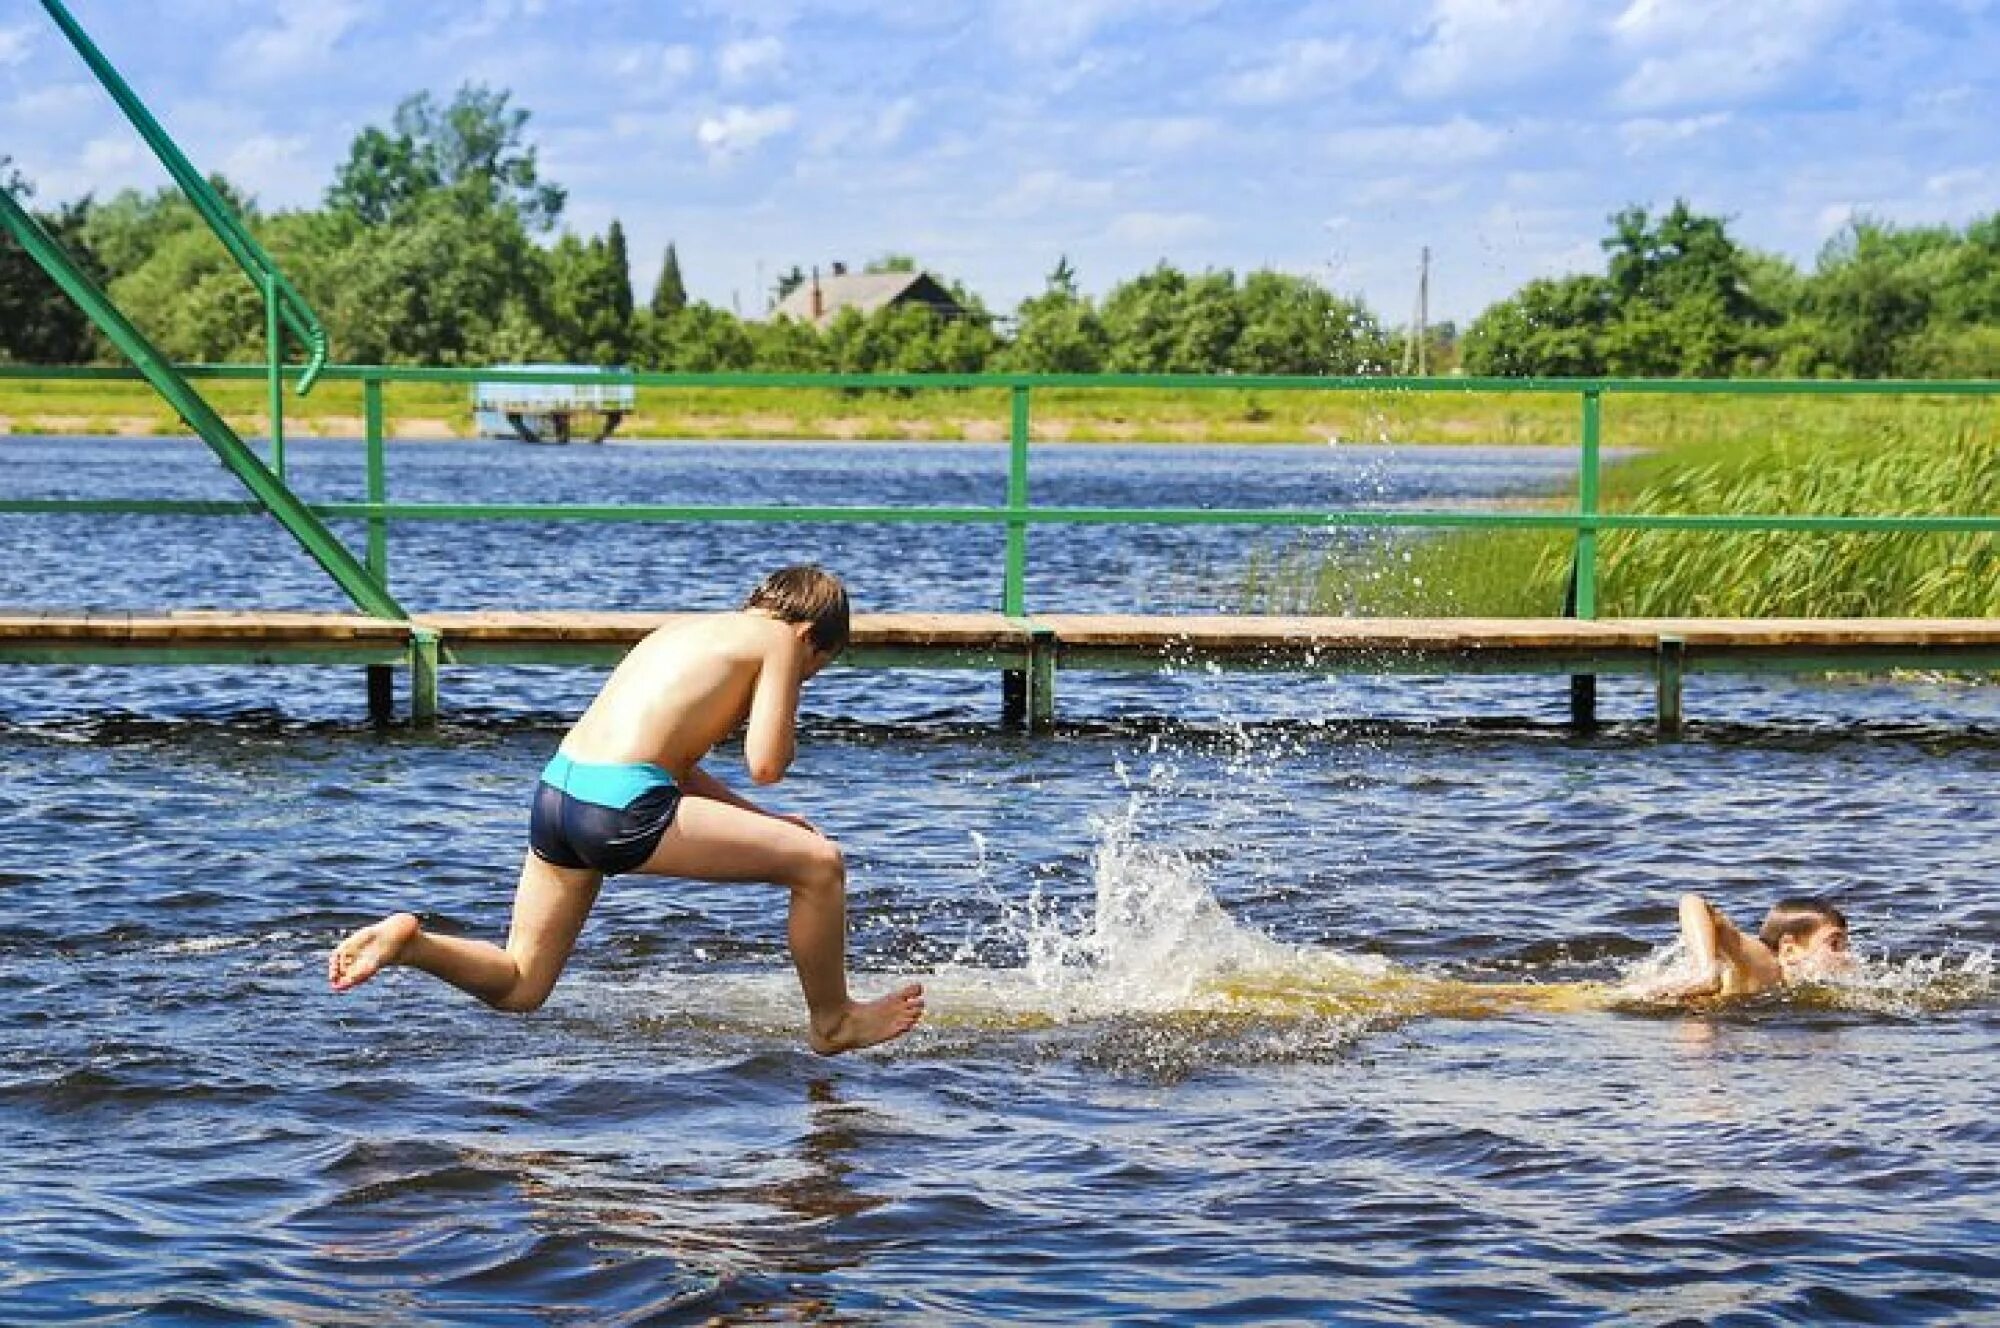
(804, 593)
(1798, 919)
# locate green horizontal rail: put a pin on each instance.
(1039, 516)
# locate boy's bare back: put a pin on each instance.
(689, 685)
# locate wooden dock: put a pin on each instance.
(1031, 652)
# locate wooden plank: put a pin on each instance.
(1767, 633)
(1191, 634)
(1203, 633)
(98, 626)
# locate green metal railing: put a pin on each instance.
(1018, 514)
(284, 309)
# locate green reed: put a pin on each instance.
(1933, 460)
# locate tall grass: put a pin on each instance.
(1934, 461)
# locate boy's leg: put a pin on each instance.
(550, 905)
(714, 841)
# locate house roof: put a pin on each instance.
(863, 292)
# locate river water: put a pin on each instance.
(1253, 999)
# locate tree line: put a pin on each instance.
(439, 242)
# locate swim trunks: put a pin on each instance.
(608, 818)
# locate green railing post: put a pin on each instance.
(381, 678)
(1586, 505)
(378, 479)
(1014, 595)
(274, 349)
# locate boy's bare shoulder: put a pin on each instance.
(727, 630)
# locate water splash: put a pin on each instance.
(1909, 987)
(1154, 941)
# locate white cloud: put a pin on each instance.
(14, 46)
(1646, 135)
(58, 103)
(1694, 52)
(741, 61)
(277, 169)
(740, 128)
(1039, 29)
(1480, 45)
(1145, 229)
(1168, 134)
(302, 40)
(656, 66)
(1973, 181)
(1039, 192)
(1454, 142)
(1303, 69)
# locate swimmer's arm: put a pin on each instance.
(1716, 948)
(770, 741)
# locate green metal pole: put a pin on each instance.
(1015, 594)
(321, 543)
(378, 478)
(1586, 501)
(274, 349)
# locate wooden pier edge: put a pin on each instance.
(1029, 652)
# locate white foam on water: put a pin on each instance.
(1920, 984)
(1153, 941)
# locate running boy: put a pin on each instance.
(625, 792)
(1801, 940)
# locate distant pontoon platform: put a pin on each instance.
(550, 412)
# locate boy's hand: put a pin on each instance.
(801, 822)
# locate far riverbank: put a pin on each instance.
(1125, 415)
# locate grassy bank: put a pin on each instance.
(1924, 459)
(1082, 415)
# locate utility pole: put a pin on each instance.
(1417, 344)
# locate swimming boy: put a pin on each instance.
(625, 792)
(1801, 940)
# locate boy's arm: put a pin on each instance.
(770, 741)
(1703, 931)
(700, 784)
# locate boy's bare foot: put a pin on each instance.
(362, 954)
(865, 1023)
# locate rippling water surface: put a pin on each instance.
(1300, 1006)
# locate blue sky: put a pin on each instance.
(990, 137)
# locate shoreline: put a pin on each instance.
(839, 429)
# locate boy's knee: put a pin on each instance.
(825, 868)
(522, 998)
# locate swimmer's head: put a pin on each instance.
(1809, 938)
(806, 594)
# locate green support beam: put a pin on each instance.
(321, 544)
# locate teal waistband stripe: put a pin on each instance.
(605, 785)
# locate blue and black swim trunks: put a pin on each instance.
(607, 818)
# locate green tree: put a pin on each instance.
(1681, 298)
(1292, 325)
(477, 141)
(1552, 326)
(38, 323)
(787, 283)
(1872, 295)
(590, 297)
(438, 286)
(1058, 331)
(696, 338)
(670, 294)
